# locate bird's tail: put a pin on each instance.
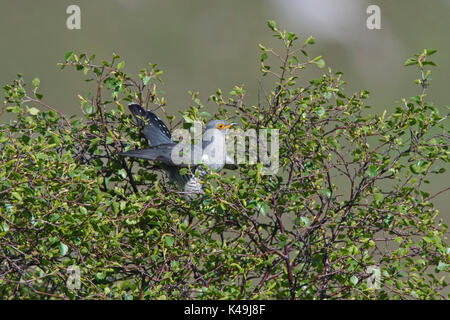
(161, 153)
(148, 154)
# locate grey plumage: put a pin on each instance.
(162, 147)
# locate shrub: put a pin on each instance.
(347, 205)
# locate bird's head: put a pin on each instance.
(220, 125)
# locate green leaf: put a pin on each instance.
(146, 80)
(378, 197)
(205, 114)
(388, 220)
(373, 171)
(16, 195)
(272, 25)
(399, 284)
(419, 167)
(100, 275)
(320, 63)
(354, 280)
(264, 56)
(442, 266)
(415, 168)
(184, 171)
(305, 221)
(5, 226)
(89, 109)
(36, 82)
(431, 63)
(120, 65)
(261, 207)
(429, 52)
(320, 111)
(262, 47)
(68, 55)
(411, 61)
(310, 40)
(188, 119)
(169, 241)
(63, 248)
(122, 173)
(33, 111)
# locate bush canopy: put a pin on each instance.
(347, 216)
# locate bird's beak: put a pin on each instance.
(230, 125)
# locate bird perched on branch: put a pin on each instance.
(174, 156)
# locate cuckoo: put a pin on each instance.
(173, 156)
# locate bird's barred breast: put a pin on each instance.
(193, 185)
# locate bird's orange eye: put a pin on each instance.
(220, 126)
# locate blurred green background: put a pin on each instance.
(208, 44)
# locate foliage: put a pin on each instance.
(349, 195)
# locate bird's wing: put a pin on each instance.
(154, 129)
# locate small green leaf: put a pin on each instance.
(36, 82)
(146, 80)
(429, 52)
(89, 109)
(378, 197)
(264, 56)
(188, 119)
(100, 275)
(410, 62)
(120, 65)
(305, 221)
(262, 47)
(388, 220)
(261, 207)
(169, 241)
(16, 195)
(205, 114)
(68, 55)
(442, 266)
(63, 248)
(310, 40)
(5, 226)
(320, 111)
(415, 168)
(272, 25)
(320, 63)
(399, 284)
(122, 173)
(33, 111)
(373, 171)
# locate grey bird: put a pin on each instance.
(211, 152)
